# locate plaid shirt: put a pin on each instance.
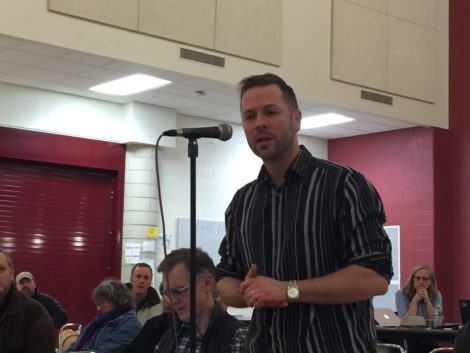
(238, 344)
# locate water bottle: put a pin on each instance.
(438, 318)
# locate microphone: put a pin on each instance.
(222, 132)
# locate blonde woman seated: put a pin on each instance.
(116, 324)
(420, 296)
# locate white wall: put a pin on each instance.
(47, 111)
(222, 167)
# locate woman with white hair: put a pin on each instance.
(116, 324)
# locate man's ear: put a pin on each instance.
(297, 119)
(208, 282)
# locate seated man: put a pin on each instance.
(145, 296)
(216, 330)
(25, 326)
(153, 330)
(26, 284)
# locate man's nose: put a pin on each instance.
(260, 121)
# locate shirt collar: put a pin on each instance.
(299, 166)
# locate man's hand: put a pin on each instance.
(260, 291)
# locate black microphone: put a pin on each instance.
(222, 132)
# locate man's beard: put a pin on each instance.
(27, 291)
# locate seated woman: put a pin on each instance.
(116, 324)
(419, 297)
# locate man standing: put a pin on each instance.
(25, 326)
(216, 330)
(26, 284)
(305, 244)
(146, 298)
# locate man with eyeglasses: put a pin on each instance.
(216, 330)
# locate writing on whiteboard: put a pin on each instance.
(209, 235)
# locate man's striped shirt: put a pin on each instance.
(324, 217)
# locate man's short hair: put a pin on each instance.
(9, 258)
(270, 79)
(142, 264)
(204, 264)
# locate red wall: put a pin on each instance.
(409, 168)
(459, 121)
(399, 164)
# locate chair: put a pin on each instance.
(389, 348)
(443, 349)
(68, 334)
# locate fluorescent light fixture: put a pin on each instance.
(130, 85)
(311, 122)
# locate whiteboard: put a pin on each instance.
(209, 235)
(388, 299)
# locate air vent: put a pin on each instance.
(202, 57)
(376, 97)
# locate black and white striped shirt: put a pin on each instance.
(324, 217)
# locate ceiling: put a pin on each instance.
(42, 66)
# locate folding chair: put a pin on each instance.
(389, 348)
(68, 334)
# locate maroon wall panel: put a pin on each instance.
(459, 123)
(61, 213)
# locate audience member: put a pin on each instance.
(419, 297)
(153, 329)
(216, 330)
(25, 326)
(26, 284)
(462, 340)
(116, 324)
(146, 298)
(305, 244)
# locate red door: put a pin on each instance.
(59, 222)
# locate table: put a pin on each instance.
(416, 333)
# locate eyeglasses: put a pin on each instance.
(422, 278)
(176, 292)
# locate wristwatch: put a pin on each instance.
(292, 292)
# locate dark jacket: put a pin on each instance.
(53, 307)
(149, 307)
(25, 326)
(216, 339)
(462, 340)
(150, 335)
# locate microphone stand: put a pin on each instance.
(192, 154)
